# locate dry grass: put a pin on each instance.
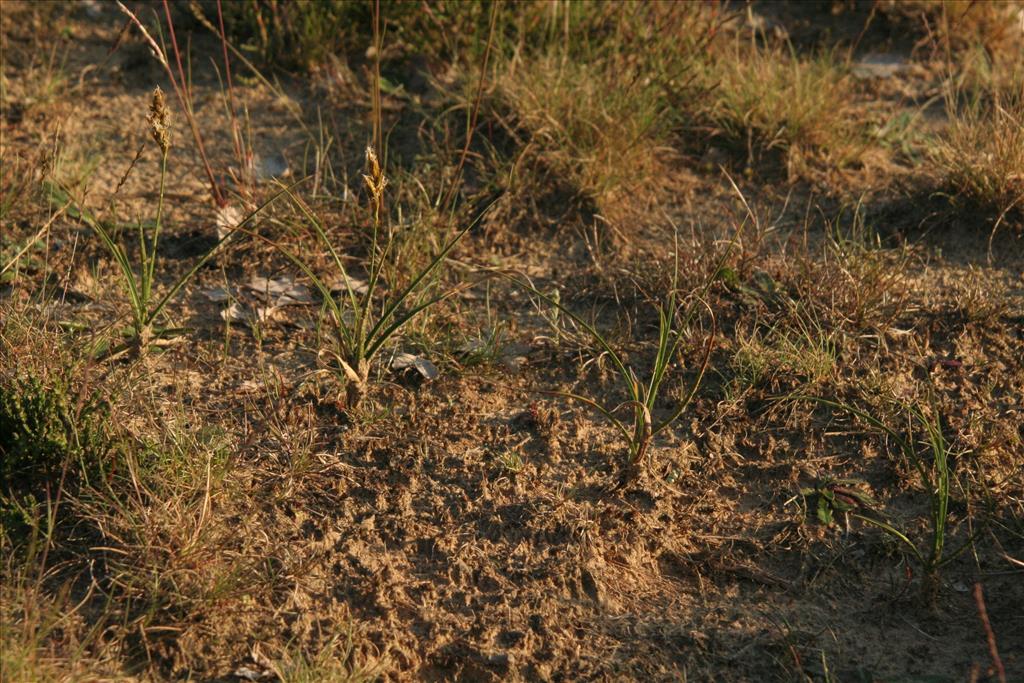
(601, 114)
(612, 120)
(585, 128)
(980, 156)
(954, 27)
(795, 349)
(768, 101)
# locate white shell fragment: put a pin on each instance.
(358, 286)
(879, 65)
(217, 295)
(244, 313)
(272, 166)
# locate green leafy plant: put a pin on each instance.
(932, 467)
(642, 425)
(510, 461)
(836, 496)
(49, 437)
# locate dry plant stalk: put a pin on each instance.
(990, 636)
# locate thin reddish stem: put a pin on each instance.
(231, 89)
(184, 94)
(990, 635)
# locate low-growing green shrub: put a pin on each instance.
(292, 34)
(43, 425)
(49, 438)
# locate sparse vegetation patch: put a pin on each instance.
(546, 340)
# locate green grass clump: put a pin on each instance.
(643, 422)
(361, 318)
(336, 661)
(799, 350)
(588, 129)
(139, 279)
(933, 465)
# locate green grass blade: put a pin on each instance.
(375, 342)
(379, 334)
(695, 387)
(322, 236)
(159, 223)
(599, 408)
(939, 487)
(895, 533)
(322, 287)
(662, 358)
(212, 252)
(904, 445)
(145, 284)
(624, 373)
(949, 557)
(134, 295)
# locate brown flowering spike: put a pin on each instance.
(160, 120)
(375, 182)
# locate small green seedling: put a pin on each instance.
(933, 471)
(642, 426)
(510, 461)
(836, 496)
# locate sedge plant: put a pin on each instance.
(641, 424)
(932, 465)
(363, 316)
(138, 279)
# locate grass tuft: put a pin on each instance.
(766, 100)
(641, 405)
(933, 466)
(980, 156)
(597, 92)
